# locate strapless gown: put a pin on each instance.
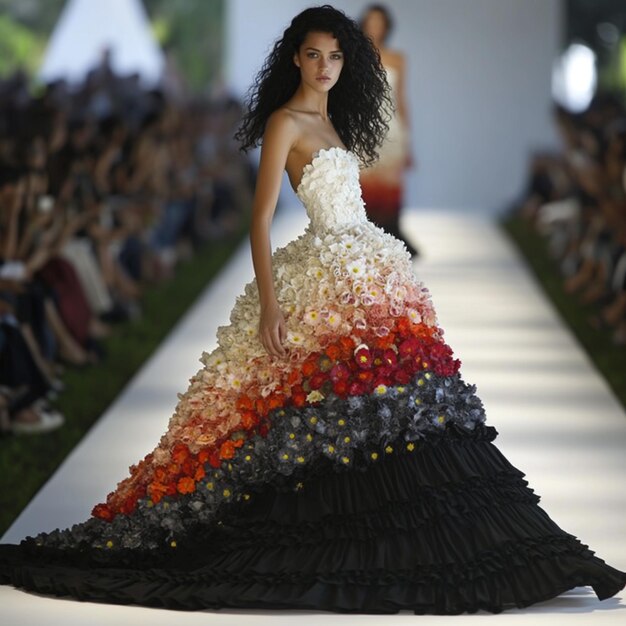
(357, 475)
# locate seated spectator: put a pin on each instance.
(577, 199)
(103, 190)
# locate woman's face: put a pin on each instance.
(320, 60)
(375, 27)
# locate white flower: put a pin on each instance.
(250, 330)
(234, 381)
(333, 319)
(316, 272)
(312, 317)
(295, 338)
(315, 396)
(265, 391)
(375, 293)
(413, 315)
(214, 359)
(346, 297)
(324, 290)
(356, 269)
(358, 288)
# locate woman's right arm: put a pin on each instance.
(279, 136)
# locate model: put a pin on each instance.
(327, 455)
(382, 184)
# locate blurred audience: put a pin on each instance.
(577, 200)
(103, 189)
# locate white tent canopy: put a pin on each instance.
(87, 28)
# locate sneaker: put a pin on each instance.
(48, 420)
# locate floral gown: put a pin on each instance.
(356, 475)
(382, 184)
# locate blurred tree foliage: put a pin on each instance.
(25, 26)
(191, 32)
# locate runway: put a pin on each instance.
(558, 421)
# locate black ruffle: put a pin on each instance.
(446, 528)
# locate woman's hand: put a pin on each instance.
(273, 330)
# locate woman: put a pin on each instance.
(382, 185)
(327, 455)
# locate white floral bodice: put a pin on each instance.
(330, 189)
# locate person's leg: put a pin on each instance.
(69, 349)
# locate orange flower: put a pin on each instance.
(203, 456)
(214, 458)
(299, 398)
(189, 467)
(227, 449)
(403, 326)
(186, 485)
(173, 469)
(347, 346)
(128, 505)
(333, 351)
(249, 419)
(244, 402)
(200, 473)
(293, 377)
(309, 366)
(180, 452)
(103, 512)
(275, 400)
(156, 491)
(259, 405)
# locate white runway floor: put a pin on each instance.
(558, 422)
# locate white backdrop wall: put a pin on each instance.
(479, 75)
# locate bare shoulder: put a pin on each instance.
(281, 125)
(395, 58)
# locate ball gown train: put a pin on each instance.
(357, 475)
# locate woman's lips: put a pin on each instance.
(323, 78)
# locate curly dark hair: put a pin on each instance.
(357, 101)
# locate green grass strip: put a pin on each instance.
(608, 358)
(28, 461)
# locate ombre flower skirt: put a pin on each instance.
(358, 475)
(426, 517)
